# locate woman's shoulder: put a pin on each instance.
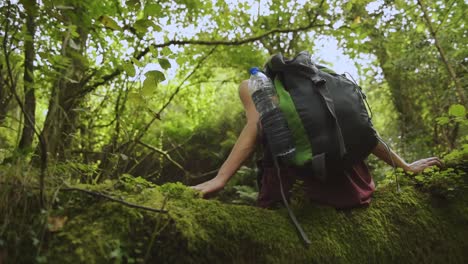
(244, 85)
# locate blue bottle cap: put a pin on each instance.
(254, 70)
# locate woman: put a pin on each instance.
(351, 190)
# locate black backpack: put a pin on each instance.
(326, 113)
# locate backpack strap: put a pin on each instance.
(322, 89)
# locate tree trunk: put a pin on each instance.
(407, 227)
(61, 120)
(5, 96)
(5, 89)
(29, 95)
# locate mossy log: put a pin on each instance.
(406, 227)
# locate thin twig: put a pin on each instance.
(445, 16)
(158, 114)
(185, 79)
(205, 174)
(175, 147)
(105, 196)
(99, 194)
(165, 154)
(138, 162)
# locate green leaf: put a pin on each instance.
(442, 120)
(166, 51)
(151, 82)
(137, 62)
(348, 6)
(165, 64)
(142, 26)
(157, 76)
(74, 45)
(153, 9)
(400, 4)
(148, 88)
(116, 253)
(156, 27)
(29, 5)
(133, 3)
(108, 22)
(457, 110)
(180, 60)
(73, 29)
(153, 51)
(419, 178)
(129, 69)
(135, 99)
(357, 20)
(420, 28)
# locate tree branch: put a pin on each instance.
(237, 42)
(451, 71)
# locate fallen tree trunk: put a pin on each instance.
(408, 227)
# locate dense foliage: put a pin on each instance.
(116, 89)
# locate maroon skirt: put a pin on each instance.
(352, 189)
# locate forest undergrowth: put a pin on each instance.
(131, 220)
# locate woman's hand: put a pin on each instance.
(420, 165)
(211, 186)
(392, 159)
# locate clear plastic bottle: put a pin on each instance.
(274, 124)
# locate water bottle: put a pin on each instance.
(274, 124)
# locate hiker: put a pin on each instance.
(352, 189)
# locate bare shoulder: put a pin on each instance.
(252, 114)
(243, 87)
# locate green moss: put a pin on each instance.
(397, 227)
(410, 226)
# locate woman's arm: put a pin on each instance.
(242, 149)
(416, 167)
